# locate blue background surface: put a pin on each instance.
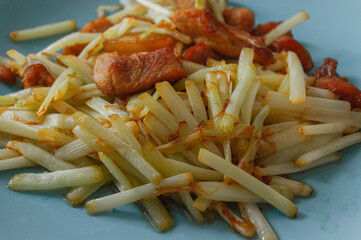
(333, 211)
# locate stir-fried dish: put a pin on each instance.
(175, 102)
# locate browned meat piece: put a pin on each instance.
(346, 91)
(125, 75)
(328, 69)
(227, 40)
(7, 75)
(199, 53)
(131, 44)
(242, 18)
(185, 4)
(37, 74)
(96, 26)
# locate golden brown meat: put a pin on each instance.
(125, 75)
(227, 40)
(131, 44)
(7, 75)
(242, 18)
(200, 53)
(37, 74)
(185, 4)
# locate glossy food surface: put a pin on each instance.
(333, 211)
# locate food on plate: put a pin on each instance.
(176, 102)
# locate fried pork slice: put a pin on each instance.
(7, 75)
(242, 18)
(199, 53)
(132, 44)
(125, 75)
(185, 4)
(328, 69)
(37, 74)
(227, 40)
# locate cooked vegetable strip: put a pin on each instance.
(164, 166)
(176, 183)
(69, 40)
(40, 156)
(175, 104)
(220, 191)
(215, 106)
(280, 126)
(246, 111)
(121, 147)
(285, 85)
(289, 167)
(115, 171)
(113, 32)
(47, 136)
(79, 66)
(297, 188)
(134, 105)
(333, 115)
(18, 128)
(238, 224)
(124, 132)
(285, 27)
(54, 90)
(331, 147)
(8, 153)
(105, 108)
(264, 230)
(297, 80)
(158, 110)
(248, 181)
(101, 146)
(245, 78)
(191, 67)
(199, 76)
(159, 214)
(57, 179)
(287, 138)
(156, 7)
(216, 10)
(101, 10)
(43, 31)
(188, 202)
(197, 172)
(157, 127)
(16, 162)
(323, 128)
(169, 167)
(319, 92)
(18, 57)
(55, 120)
(135, 10)
(63, 107)
(202, 204)
(293, 152)
(280, 101)
(4, 100)
(181, 144)
(195, 98)
(77, 195)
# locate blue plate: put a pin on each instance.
(333, 212)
